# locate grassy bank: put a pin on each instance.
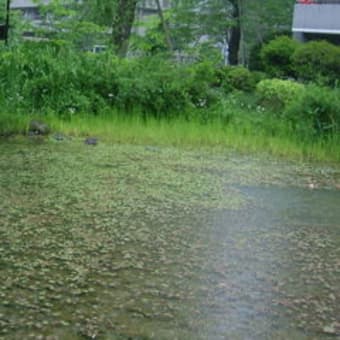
(197, 104)
(242, 137)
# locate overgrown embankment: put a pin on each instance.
(155, 100)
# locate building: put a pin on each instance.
(29, 8)
(317, 19)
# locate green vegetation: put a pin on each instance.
(238, 78)
(159, 101)
(152, 96)
(317, 61)
(276, 56)
(278, 93)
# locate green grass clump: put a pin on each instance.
(13, 124)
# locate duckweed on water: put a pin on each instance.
(119, 241)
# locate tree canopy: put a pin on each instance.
(188, 26)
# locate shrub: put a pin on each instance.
(276, 56)
(235, 78)
(276, 94)
(259, 76)
(316, 111)
(240, 78)
(255, 63)
(154, 90)
(41, 78)
(200, 79)
(317, 61)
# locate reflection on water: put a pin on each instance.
(282, 255)
(90, 251)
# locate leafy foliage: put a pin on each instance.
(255, 62)
(215, 20)
(263, 19)
(276, 56)
(316, 112)
(317, 61)
(42, 77)
(192, 20)
(277, 93)
(65, 20)
(312, 111)
(240, 78)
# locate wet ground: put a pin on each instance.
(142, 242)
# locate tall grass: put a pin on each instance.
(244, 138)
(134, 129)
(13, 124)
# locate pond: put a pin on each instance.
(144, 242)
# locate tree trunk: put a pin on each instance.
(234, 34)
(165, 26)
(121, 25)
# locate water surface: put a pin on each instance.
(139, 242)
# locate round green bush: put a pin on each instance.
(276, 56)
(277, 93)
(236, 78)
(240, 78)
(255, 62)
(317, 61)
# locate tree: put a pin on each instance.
(234, 33)
(190, 25)
(237, 23)
(164, 26)
(123, 18)
(97, 16)
(117, 15)
(198, 25)
(262, 18)
(65, 21)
